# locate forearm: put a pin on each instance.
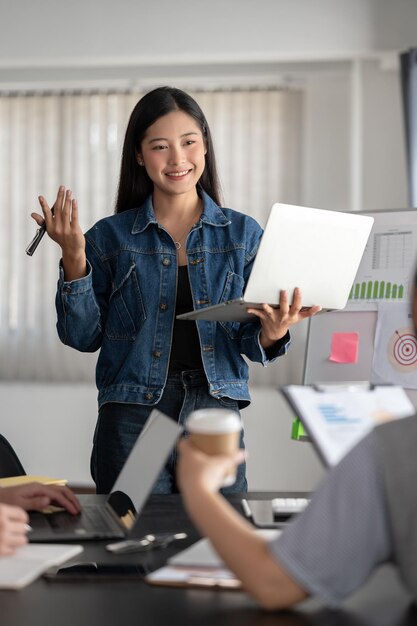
(79, 319)
(274, 349)
(244, 552)
(251, 345)
(75, 267)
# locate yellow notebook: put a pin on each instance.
(12, 481)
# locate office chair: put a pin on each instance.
(10, 464)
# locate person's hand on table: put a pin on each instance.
(13, 528)
(34, 496)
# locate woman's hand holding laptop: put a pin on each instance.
(276, 322)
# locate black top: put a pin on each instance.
(185, 349)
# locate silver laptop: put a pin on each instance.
(316, 250)
(116, 517)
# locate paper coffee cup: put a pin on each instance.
(215, 431)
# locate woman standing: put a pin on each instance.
(169, 248)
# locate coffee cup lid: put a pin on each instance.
(213, 421)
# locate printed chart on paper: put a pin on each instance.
(385, 272)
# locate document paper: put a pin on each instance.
(200, 566)
(30, 561)
(337, 420)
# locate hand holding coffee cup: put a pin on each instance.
(215, 431)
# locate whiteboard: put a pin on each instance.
(317, 366)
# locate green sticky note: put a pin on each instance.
(297, 431)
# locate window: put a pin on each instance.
(75, 139)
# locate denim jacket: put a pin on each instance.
(125, 305)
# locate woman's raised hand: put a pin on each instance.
(62, 226)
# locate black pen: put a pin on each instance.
(37, 238)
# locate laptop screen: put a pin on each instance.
(142, 466)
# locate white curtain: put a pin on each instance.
(76, 139)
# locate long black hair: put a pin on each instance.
(134, 182)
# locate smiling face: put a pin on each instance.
(172, 151)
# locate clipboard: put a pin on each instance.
(337, 416)
(200, 566)
(197, 577)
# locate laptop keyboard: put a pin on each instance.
(96, 518)
(92, 519)
(285, 507)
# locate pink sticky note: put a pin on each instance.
(344, 348)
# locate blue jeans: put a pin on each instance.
(119, 425)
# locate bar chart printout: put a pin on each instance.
(377, 290)
(384, 272)
(336, 414)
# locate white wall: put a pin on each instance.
(354, 149)
(51, 428)
(136, 40)
(383, 147)
(343, 52)
(37, 29)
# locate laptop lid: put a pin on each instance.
(128, 496)
(314, 249)
(141, 468)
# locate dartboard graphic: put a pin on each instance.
(402, 350)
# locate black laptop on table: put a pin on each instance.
(116, 517)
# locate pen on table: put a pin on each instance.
(148, 542)
(246, 510)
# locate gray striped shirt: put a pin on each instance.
(332, 548)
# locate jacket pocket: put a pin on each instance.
(126, 310)
(232, 290)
